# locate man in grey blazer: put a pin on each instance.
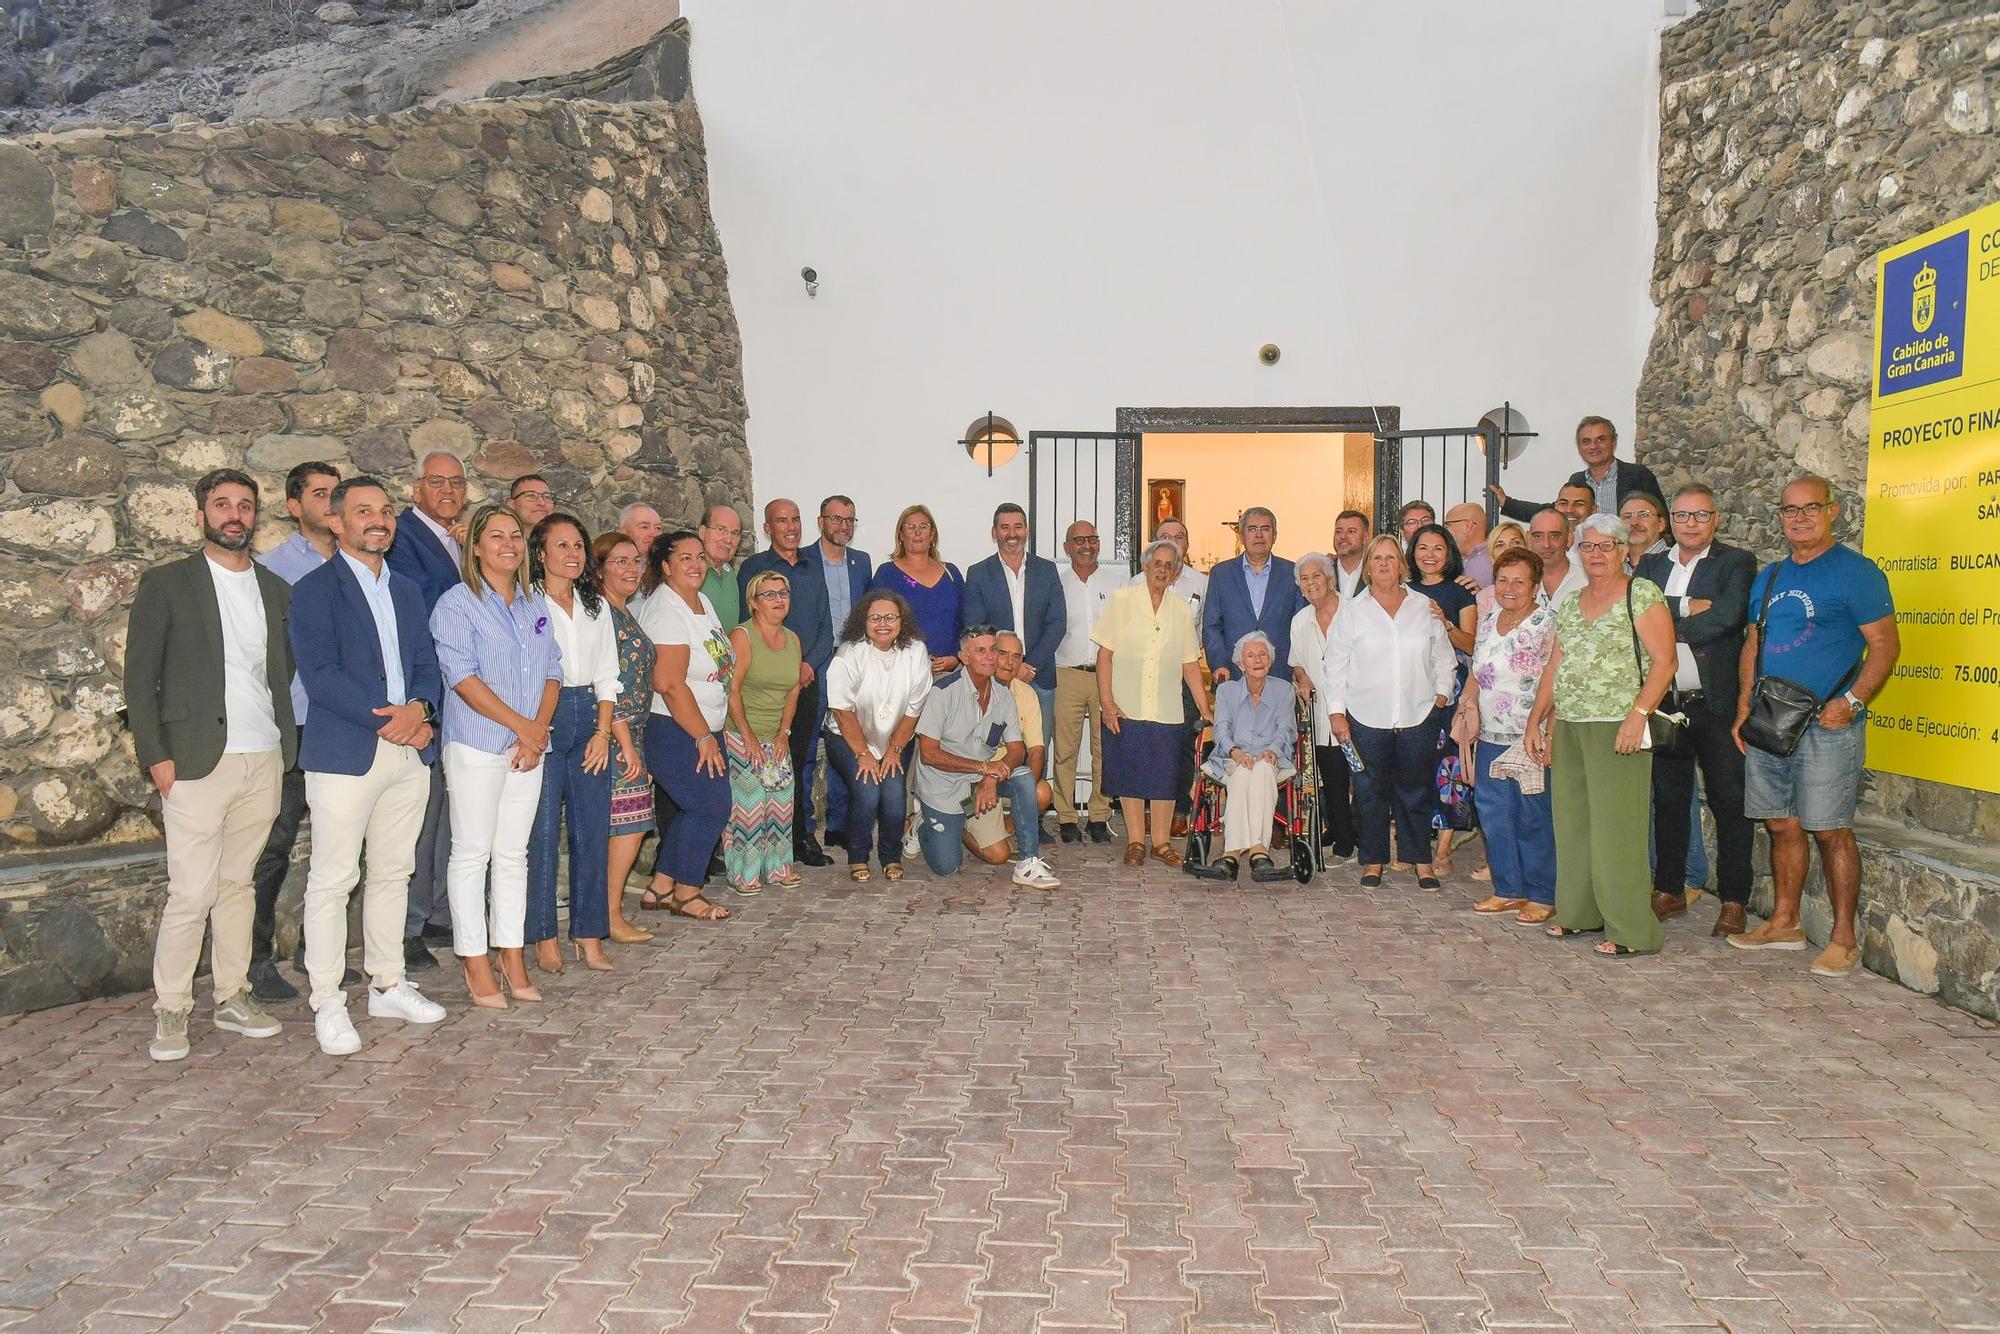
(208, 673)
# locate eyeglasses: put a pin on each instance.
(625, 563)
(445, 483)
(548, 496)
(832, 519)
(885, 618)
(1810, 511)
(775, 595)
(1264, 528)
(1597, 546)
(1694, 516)
(1086, 541)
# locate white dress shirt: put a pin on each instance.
(589, 647)
(1017, 595)
(1687, 673)
(1344, 583)
(1386, 672)
(879, 689)
(1083, 603)
(451, 546)
(1571, 581)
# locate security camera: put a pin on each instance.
(811, 275)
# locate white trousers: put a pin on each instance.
(382, 810)
(492, 815)
(1252, 805)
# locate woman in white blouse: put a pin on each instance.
(1388, 677)
(1319, 585)
(576, 772)
(875, 688)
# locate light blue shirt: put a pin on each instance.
(510, 646)
(1269, 723)
(375, 588)
(292, 560)
(1258, 582)
(839, 592)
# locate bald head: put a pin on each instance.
(1467, 525)
(782, 525)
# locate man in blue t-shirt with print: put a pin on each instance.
(1824, 620)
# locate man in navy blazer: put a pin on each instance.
(846, 573)
(362, 643)
(1015, 577)
(1610, 478)
(426, 553)
(1252, 591)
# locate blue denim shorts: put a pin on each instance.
(1818, 784)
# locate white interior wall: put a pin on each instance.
(1054, 209)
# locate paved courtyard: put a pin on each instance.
(1133, 1104)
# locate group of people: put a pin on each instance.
(465, 698)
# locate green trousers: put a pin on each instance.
(1603, 807)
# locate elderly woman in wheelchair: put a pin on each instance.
(1256, 750)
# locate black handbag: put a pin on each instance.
(1780, 708)
(1668, 730)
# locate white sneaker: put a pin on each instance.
(1034, 873)
(404, 1001)
(335, 1030)
(911, 848)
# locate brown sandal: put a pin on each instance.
(1135, 854)
(1165, 852)
(710, 912)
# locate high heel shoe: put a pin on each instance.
(485, 1000)
(515, 978)
(624, 933)
(548, 956)
(598, 965)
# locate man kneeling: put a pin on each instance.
(370, 673)
(986, 835)
(970, 751)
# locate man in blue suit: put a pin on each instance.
(362, 642)
(846, 572)
(426, 553)
(1253, 591)
(1016, 590)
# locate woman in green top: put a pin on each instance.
(763, 693)
(1612, 665)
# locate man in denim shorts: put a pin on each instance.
(1824, 620)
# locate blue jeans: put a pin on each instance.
(1399, 785)
(1520, 833)
(703, 798)
(588, 799)
(871, 806)
(941, 834)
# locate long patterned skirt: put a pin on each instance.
(631, 802)
(757, 847)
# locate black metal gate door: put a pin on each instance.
(1090, 475)
(1444, 466)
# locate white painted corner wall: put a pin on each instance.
(1055, 208)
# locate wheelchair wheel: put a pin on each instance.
(1302, 861)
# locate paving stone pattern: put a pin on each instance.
(1134, 1104)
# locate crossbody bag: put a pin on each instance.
(1781, 709)
(1666, 730)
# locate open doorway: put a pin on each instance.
(1207, 478)
(1208, 464)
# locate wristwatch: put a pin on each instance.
(430, 713)
(1853, 700)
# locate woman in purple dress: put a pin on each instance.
(932, 586)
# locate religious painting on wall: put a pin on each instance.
(1166, 498)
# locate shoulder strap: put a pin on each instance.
(1632, 624)
(1763, 611)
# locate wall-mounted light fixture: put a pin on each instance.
(992, 441)
(1269, 354)
(811, 275)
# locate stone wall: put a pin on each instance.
(534, 285)
(1797, 140)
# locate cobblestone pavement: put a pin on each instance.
(1133, 1104)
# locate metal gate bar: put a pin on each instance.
(1103, 464)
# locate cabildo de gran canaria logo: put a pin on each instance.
(1923, 316)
